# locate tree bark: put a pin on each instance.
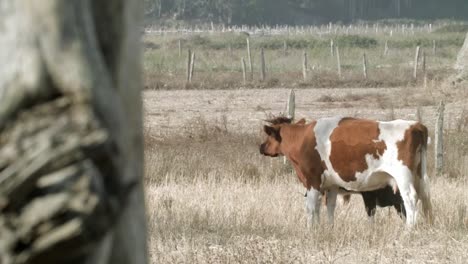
(462, 61)
(71, 132)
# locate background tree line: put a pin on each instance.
(293, 12)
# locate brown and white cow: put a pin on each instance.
(358, 155)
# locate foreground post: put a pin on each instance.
(439, 140)
(75, 194)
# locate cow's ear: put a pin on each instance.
(269, 130)
(302, 121)
(273, 132)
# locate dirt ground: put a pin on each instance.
(169, 112)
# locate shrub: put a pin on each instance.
(356, 41)
(453, 28)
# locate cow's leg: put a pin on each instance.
(331, 204)
(313, 201)
(404, 179)
(370, 202)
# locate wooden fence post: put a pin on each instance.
(291, 106)
(285, 48)
(364, 65)
(189, 63)
(424, 69)
(423, 63)
(338, 61)
(244, 74)
(305, 66)
(192, 66)
(439, 143)
(262, 60)
(249, 54)
(332, 48)
(386, 48)
(416, 59)
(180, 48)
(290, 110)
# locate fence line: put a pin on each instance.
(329, 29)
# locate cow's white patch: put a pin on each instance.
(313, 201)
(323, 130)
(387, 169)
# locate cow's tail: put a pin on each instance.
(424, 190)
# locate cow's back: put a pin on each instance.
(354, 149)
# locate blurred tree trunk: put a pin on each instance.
(71, 155)
(462, 62)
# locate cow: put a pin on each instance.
(382, 197)
(356, 155)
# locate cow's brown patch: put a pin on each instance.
(351, 141)
(415, 138)
(298, 145)
(312, 166)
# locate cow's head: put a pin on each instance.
(271, 146)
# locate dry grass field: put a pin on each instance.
(212, 198)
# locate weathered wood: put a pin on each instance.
(86, 52)
(304, 66)
(423, 63)
(416, 62)
(364, 65)
(189, 65)
(439, 140)
(249, 57)
(332, 48)
(244, 73)
(192, 67)
(59, 175)
(263, 65)
(180, 48)
(290, 111)
(386, 48)
(291, 105)
(338, 61)
(285, 48)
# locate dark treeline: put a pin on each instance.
(296, 12)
